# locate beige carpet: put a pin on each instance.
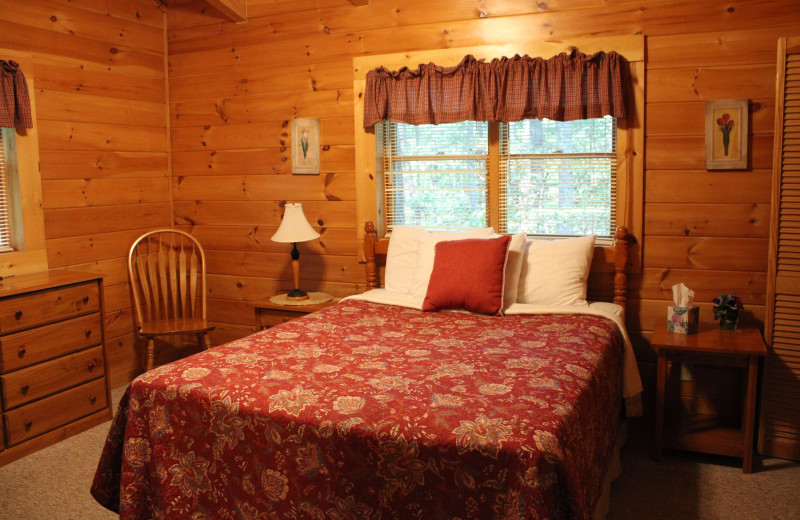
(53, 484)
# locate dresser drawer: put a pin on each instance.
(50, 413)
(29, 310)
(29, 384)
(21, 349)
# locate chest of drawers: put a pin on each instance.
(53, 367)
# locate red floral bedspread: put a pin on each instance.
(367, 411)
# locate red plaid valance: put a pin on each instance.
(15, 104)
(562, 88)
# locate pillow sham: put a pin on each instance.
(402, 256)
(554, 272)
(425, 255)
(516, 250)
(468, 274)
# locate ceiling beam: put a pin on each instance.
(236, 10)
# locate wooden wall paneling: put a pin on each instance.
(333, 131)
(702, 186)
(263, 107)
(688, 153)
(82, 221)
(81, 76)
(81, 107)
(61, 18)
(35, 40)
(70, 250)
(707, 220)
(337, 158)
(258, 238)
(69, 135)
(716, 253)
(339, 214)
(330, 186)
(248, 288)
(148, 12)
(257, 79)
(72, 193)
(688, 117)
(101, 164)
(656, 283)
(303, 51)
(114, 270)
(315, 268)
(232, 311)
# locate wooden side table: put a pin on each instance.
(270, 313)
(713, 346)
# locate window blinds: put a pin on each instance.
(436, 175)
(558, 178)
(5, 224)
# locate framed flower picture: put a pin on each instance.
(305, 146)
(726, 134)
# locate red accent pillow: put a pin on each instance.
(468, 274)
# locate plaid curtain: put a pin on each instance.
(15, 105)
(562, 88)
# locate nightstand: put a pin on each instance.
(273, 311)
(711, 345)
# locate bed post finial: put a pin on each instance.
(622, 240)
(370, 237)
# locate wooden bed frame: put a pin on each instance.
(608, 279)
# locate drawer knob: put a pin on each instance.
(25, 389)
(88, 333)
(91, 366)
(28, 426)
(85, 299)
(18, 315)
(93, 399)
(21, 353)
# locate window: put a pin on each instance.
(555, 178)
(436, 175)
(7, 191)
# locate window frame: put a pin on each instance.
(30, 253)
(630, 130)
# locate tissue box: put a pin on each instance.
(682, 320)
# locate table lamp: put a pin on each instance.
(295, 228)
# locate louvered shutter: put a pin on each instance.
(779, 433)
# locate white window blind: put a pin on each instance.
(555, 178)
(436, 175)
(558, 177)
(5, 223)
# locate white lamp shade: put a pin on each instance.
(294, 226)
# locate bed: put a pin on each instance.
(380, 407)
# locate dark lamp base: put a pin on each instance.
(297, 295)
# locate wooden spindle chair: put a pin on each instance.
(167, 271)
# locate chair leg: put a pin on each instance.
(148, 359)
(203, 340)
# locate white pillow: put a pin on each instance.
(554, 272)
(401, 258)
(516, 250)
(403, 253)
(427, 249)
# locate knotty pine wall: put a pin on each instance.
(126, 146)
(234, 88)
(103, 142)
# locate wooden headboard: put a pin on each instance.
(608, 279)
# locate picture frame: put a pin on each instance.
(305, 146)
(727, 124)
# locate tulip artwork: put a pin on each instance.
(725, 124)
(305, 146)
(726, 134)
